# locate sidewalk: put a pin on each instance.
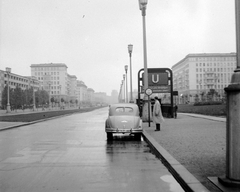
(193, 147)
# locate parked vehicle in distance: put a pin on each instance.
(123, 118)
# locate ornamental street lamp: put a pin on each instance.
(60, 95)
(119, 95)
(130, 48)
(34, 105)
(232, 176)
(126, 68)
(124, 98)
(49, 84)
(8, 70)
(143, 7)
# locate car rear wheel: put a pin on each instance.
(138, 136)
(109, 136)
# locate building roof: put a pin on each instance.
(90, 90)
(205, 55)
(49, 65)
(72, 76)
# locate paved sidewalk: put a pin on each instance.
(197, 144)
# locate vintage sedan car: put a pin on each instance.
(123, 118)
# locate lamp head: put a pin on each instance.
(126, 68)
(123, 76)
(142, 4)
(130, 48)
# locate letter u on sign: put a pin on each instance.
(155, 78)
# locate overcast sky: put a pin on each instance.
(91, 36)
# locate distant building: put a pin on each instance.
(198, 75)
(114, 97)
(53, 77)
(81, 92)
(24, 82)
(101, 97)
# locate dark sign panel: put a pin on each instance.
(156, 79)
(158, 82)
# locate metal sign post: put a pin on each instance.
(148, 92)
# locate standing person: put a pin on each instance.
(157, 114)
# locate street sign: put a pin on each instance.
(148, 92)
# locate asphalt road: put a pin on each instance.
(72, 154)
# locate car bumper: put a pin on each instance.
(111, 130)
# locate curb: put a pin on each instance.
(187, 181)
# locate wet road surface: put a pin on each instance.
(72, 154)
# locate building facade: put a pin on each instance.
(54, 79)
(15, 80)
(199, 76)
(81, 92)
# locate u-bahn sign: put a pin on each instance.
(159, 80)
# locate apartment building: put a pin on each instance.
(72, 87)
(81, 92)
(54, 79)
(195, 76)
(15, 80)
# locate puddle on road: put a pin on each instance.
(173, 184)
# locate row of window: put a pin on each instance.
(213, 59)
(52, 78)
(215, 64)
(48, 68)
(16, 84)
(46, 73)
(16, 78)
(212, 87)
(215, 70)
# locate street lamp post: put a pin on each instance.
(130, 48)
(119, 95)
(124, 98)
(126, 68)
(232, 176)
(34, 105)
(60, 96)
(49, 83)
(143, 7)
(8, 70)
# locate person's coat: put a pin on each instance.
(157, 113)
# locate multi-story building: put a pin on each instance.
(15, 80)
(72, 87)
(90, 95)
(54, 78)
(81, 92)
(199, 75)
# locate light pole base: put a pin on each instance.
(8, 108)
(145, 110)
(228, 182)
